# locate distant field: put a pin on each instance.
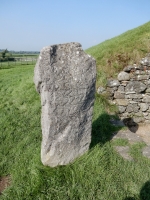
(25, 55)
(22, 60)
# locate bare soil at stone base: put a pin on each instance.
(4, 183)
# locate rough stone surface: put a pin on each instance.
(65, 78)
(135, 86)
(124, 152)
(123, 76)
(142, 77)
(138, 119)
(146, 60)
(130, 136)
(130, 108)
(113, 83)
(146, 99)
(101, 90)
(134, 96)
(121, 109)
(148, 90)
(122, 102)
(143, 106)
(121, 89)
(119, 95)
(146, 151)
(135, 108)
(128, 68)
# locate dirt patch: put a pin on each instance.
(4, 183)
(134, 133)
(144, 132)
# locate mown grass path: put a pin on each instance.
(99, 174)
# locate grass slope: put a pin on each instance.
(114, 54)
(99, 174)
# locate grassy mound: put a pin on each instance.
(114, 54)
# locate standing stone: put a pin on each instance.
(65, 78)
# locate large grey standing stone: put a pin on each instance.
(65, 78)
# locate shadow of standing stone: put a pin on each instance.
(65, 78)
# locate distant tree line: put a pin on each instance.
(6, 56)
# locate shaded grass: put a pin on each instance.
(99, 174)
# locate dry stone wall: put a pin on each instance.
(131, 91)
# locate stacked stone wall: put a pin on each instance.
(131, 91)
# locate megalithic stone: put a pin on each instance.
(65, 77)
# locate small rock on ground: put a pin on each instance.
(124, 152)
(146, 151)
(127, 134)
(4, 183)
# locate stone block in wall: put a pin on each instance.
(133, 108)
(121, 109)
(128, 68)
(135, 86)
(146, 99)
(138, 114)
(121, 89)
(124, 115)
(123, 76)
(137, 100)
(129, 108)
(133, 102)
(147, 116)
(101, 90)
(122, 102)
(143, 106)
(124, 83)
(133, 96)
(146, 60)
(142, 77)
(138, 119)
(139, 72)
(148, 90)
(113, 83)
(110, 91)
(119, 95)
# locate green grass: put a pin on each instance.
(98, 175)
(25, 55)
(114, 54)
(14, 64)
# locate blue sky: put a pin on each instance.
(33, 24)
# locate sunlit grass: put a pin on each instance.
(99, 174)
(114, 54)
